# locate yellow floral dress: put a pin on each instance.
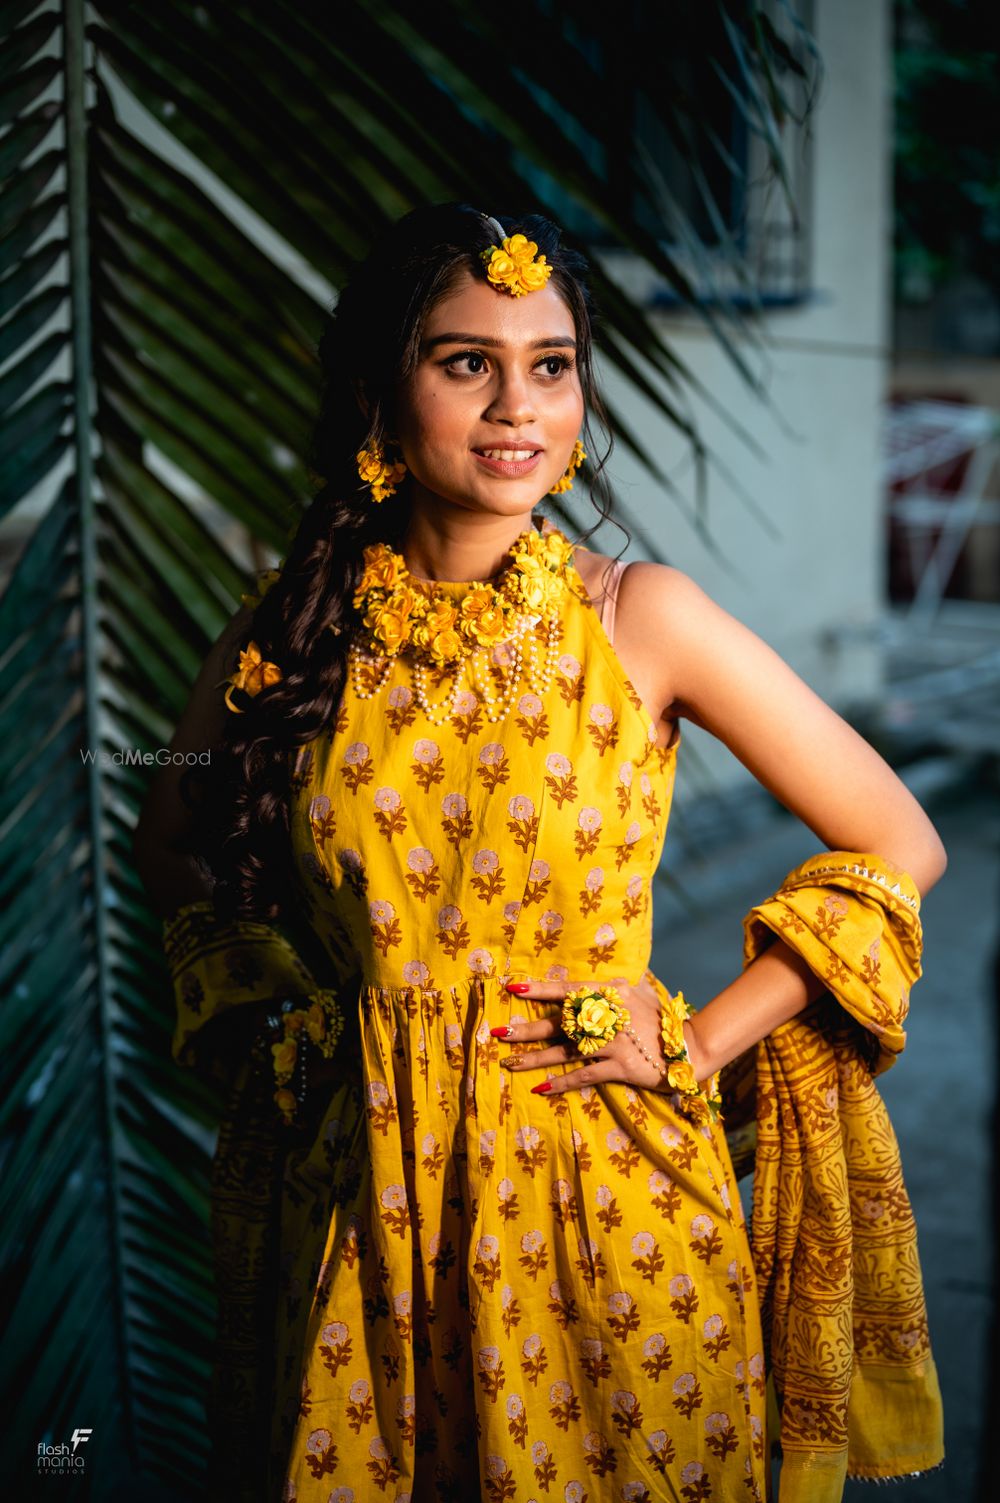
(488, 1293)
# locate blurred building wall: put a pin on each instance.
(815, 590)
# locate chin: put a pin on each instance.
(522, 507)
(506, 501)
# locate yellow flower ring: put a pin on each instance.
(515, 266)
(253, 674)
(591, 1017)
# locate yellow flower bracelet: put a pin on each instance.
(592, 1016)
(321, 1023)
(699, 1105)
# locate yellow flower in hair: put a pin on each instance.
(522, 251)
(513, 265)
(536, 275)
(253, 674)
(265, 579)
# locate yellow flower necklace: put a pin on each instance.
(401, 614)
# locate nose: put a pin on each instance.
(512, 402)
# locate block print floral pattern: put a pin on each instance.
(500, 1295)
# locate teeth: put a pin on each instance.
(508, 453)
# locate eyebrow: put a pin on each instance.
(564, 341)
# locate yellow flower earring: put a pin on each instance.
(565, 482)
(380, 473)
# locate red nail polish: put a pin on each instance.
(519, 987)
(501, 1033)
(542, 1089)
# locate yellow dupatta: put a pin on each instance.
(833, 1234)
(217, 968)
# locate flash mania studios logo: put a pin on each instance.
(63, 1459)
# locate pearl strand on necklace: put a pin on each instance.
(497, 706)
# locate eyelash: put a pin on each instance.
(566, 363)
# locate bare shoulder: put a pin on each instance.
(659, 610)
(663, 589)
(644, 585)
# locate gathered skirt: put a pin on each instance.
(492, 1294)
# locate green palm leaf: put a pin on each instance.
(158, 370)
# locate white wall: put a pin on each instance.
(814, 591)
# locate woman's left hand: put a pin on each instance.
(620, 1060)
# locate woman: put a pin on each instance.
(479, 1235)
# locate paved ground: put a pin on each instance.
(940, 1093)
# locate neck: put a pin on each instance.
(459, 545)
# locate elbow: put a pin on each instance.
(932, 864)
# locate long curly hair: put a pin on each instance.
(369, 344)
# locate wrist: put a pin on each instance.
(688, 1072)
(700, 1062)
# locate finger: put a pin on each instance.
(523, 1032)
(593, 1073)
(537, 1059)
(539, 991)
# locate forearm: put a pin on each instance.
(772, 989)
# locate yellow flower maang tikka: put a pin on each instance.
(516, 266)
(565, 481)
(379, 473)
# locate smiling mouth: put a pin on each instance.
(509, 455)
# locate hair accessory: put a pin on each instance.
(495, 225)
(591, 1017)
(381, 474)
(516, 266)
(253, 674)
(565, 482)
